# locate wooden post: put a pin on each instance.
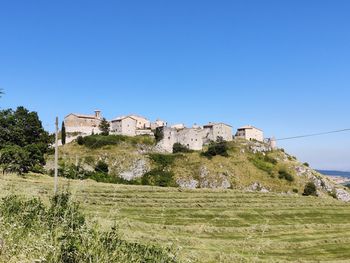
(56, 158)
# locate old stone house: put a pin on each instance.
(189, 137)
(82, 123)
(212, 131)
(249, 132)
(131, 125)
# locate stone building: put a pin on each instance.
(82, 123)
(250, 133)
(212, 131)
(190, 137)
(157, 124)
(131, 125)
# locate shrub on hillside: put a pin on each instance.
(283, 174)
(264, 162)
(158, 177)
(101, 167)
(98, 141)
(162, 160)
(219, 147)
(80, 140)
(180, 148)
(310, 189)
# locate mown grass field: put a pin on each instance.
(211, 225)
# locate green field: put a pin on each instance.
(210, 225)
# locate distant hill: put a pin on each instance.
(334, 173)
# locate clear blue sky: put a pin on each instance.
(283, 66)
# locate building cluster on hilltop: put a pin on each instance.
(133, 125)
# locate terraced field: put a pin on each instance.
(210, 225)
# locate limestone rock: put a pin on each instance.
(257, 187)
(187, 183)
(137, 170)
(342, 195)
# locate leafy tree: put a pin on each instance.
(310, 189)
(63, 133)
(23, 140)
(104, 127)
(159, 134)
(14, 159)
(22, 127)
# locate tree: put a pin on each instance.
(63, 133)
(14, 159)
(23, 140)
(104, 127)
(159, 134)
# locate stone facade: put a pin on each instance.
(212, 131)
(84, 124)
(190, 137)
(250, 133)
(131, 125)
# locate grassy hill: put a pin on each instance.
(210, 225)
(249, 165)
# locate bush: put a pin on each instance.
(158, 177)
(179, 148)
(264, 162)
(307, 164)
(310, 189)
(162, 160)
(80, 140)
(283, 174)
(98, 141)
(295, 190)
(219, 147)
(101, 167)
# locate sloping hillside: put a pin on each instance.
(249, 166)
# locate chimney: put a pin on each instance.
(98, 114)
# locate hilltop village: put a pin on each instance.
(133, 125)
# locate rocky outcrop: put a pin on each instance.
(187, 183)
(257, 187)
(342, 195)
(214, 181)
(137, 170)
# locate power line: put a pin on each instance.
(312, 135)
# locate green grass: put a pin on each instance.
(210, 225)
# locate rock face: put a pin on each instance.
(259, 147)
(188, 184)
(137, 170)
(342, 195)
(218, 181)
(257, 187)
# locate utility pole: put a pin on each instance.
(56, 158)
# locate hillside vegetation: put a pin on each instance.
(247, 165)
(205, 225)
